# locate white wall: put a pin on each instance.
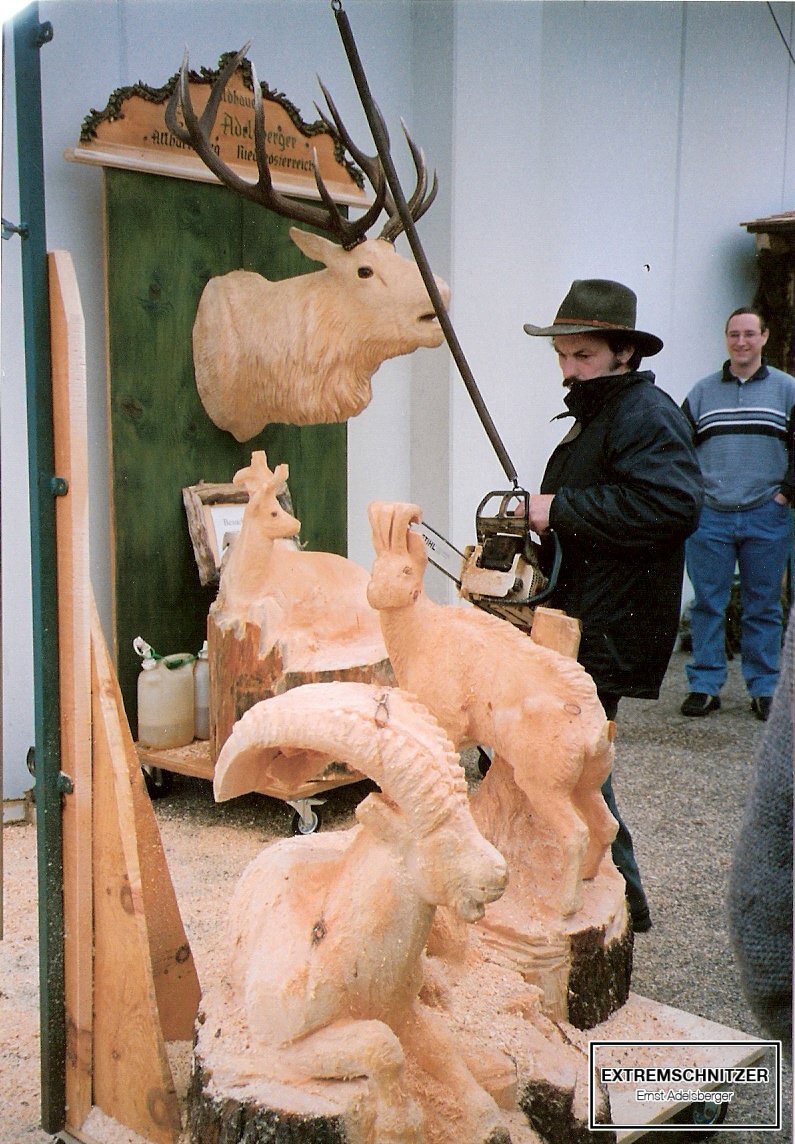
(623, 140)
(17, 652)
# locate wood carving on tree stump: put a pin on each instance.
(284, 616)
(360, 1006)
(327, 932)
(541, 802)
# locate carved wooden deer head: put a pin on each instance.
(303, 350)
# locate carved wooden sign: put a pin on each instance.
(131, 133)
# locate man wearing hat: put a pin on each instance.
(622, 491)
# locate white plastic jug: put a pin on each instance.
(201, 694)
(165, 698)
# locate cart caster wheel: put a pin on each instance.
(709, 1112)
(308, 825)
(700, 1116)
(159, 783)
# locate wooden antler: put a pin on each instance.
(257, 477)
(422, 197)
(196, 131)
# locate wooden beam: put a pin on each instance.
(132, 1079)
(67, 342)
(130, 980)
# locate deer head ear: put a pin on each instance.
(381, 818)
(314, 246)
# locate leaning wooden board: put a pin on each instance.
(164, 239)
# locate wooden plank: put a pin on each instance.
(132, 1078)
(131, 160)
(173, 969)
(132, 133)
(554, 629)
(193, 760)
(688, 1041)
(67, 336)
(165, 238)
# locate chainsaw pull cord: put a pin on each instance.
(381, 139)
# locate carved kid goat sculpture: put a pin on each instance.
(303, 350)
(487, 683)
(327, 932)
(304, 599)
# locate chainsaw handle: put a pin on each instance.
(552, 582)
(505, 499)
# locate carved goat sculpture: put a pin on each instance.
(303, 350)
(327, 932)
(304, 599)
(487, 683)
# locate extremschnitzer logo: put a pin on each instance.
(659, 1086)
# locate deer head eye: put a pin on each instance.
(365, 271)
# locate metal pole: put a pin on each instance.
(29, 37)
(381, 140)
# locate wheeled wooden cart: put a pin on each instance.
(195, 760)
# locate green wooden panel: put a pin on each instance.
(165, 238)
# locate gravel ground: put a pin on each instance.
(680, 784)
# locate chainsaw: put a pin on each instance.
(505, 572)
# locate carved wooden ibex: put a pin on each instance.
(303, 350)
(327, 933)
(487, 683)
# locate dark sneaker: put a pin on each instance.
(638, 908)
(698, 704)
(761, 707)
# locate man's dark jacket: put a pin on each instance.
(628, 491)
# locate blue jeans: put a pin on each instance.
(758, 541)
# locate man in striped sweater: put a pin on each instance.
(742, 419)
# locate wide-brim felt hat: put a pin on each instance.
(595, 305)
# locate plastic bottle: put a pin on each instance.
(165, 698)
(201, 694)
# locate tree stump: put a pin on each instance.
(228, 1104)
(232, 1099)
(241, 674)
(583, 963)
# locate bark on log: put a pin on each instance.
(551, 1113)
(219, 1118)
(224, 1119)
(241, 676)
